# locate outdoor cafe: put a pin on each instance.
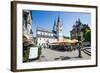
(65, 44)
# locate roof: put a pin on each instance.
(44, 29)
(45, 36)
(64, 41)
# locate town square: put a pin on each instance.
(56, 36)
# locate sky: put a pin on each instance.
(46, 20)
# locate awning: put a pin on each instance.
(65, 41)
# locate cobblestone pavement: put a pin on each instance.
(53, 55)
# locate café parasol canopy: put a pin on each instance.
(64, 41)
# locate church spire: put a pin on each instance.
(59, 29)
(78, 22)
(58, 19)
(54, 26)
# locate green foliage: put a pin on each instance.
(26, 54)
(88, 35)
(66, 37)
(39, 51)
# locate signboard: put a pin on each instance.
(33, 52)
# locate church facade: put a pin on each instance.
(77, 32)
(45, 36)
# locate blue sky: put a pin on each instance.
(46, 19)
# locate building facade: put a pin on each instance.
(77, 32)
(27, 28)
(45, 36)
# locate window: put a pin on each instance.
(38, 32)
(45, 33)
(41, 33)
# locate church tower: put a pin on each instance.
(55, 27)
(59, 28)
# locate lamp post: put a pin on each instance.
(79, 45)
(79, 50)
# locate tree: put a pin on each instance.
(88, 35)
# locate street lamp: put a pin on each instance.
(79, 45)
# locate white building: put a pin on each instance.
(45, 36)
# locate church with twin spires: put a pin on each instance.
(45, 36)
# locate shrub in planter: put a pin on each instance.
(39, 51)
(26, 54)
